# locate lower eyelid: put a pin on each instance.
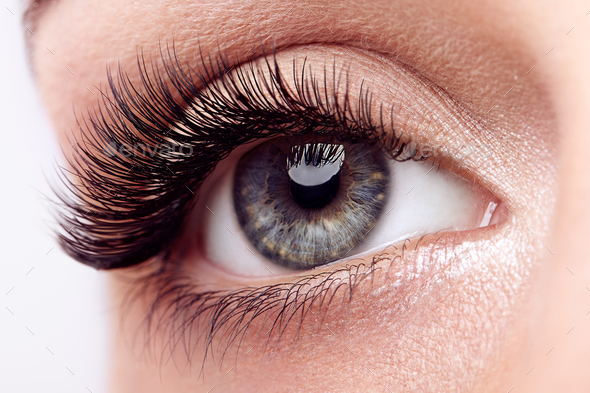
(276, 309)
(224, 322)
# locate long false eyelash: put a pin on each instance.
(120, 209)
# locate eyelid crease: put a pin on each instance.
(122, 210)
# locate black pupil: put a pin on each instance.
(314, 197)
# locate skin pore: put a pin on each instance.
(494, 300)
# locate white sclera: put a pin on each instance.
(421, 200)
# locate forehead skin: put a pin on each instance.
(476, 338)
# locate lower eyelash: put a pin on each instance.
(178, 308)
(120, 210)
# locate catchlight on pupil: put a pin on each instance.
(302, 204)
(315, 176)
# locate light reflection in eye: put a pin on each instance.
(315, 173)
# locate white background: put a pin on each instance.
(53, 313)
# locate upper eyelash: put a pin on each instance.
(120, 211)
(316, 154)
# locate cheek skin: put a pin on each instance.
(561, 299)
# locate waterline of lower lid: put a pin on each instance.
(373, 251)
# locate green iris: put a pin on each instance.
(305, 202)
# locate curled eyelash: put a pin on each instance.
(121, 209)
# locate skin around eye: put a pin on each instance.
(448, 317)
(251, 220)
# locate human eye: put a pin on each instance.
(172, 175)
